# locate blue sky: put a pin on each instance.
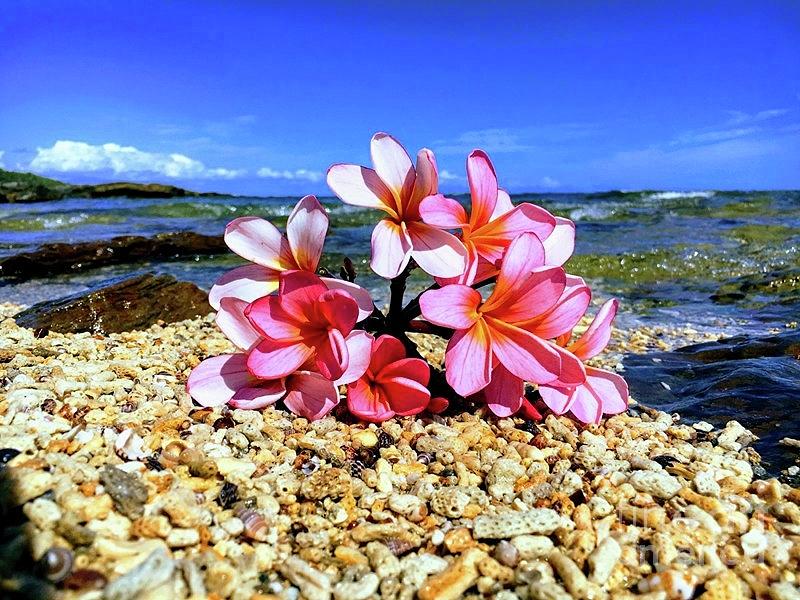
(261, 97)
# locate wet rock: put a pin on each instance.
(57, 259)
(127, 491)
(120, 304)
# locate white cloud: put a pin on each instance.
(69, 156)
(445, 175)
(491, 140)
(709, 137)
(737, 117)
(549, 182)
(2, 164)
(299, 174)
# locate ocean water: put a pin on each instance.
(670, 256)
(723, 262)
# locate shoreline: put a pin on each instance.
(436, 507)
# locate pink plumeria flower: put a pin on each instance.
(272, 253)
(391, 385)
(305, 321)
(494, 222)
(489, 347)
(603, 392)
(226, 379)
(396, 188)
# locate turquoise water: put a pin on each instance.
(672, 257)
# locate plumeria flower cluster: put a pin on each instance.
(312, 341)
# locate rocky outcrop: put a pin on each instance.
(56, 259)
(27, 187)
(122, 304)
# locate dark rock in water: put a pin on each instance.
(755, 380)
(55, 259)
(781, 286)
(120, 304)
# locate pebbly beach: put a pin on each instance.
(131, 491)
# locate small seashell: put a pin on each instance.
(57, 563)
(171, 453)
(228, 495)
(85, 580)
(310, 466)
(255, 525)
(425, 458)
(129, 446)
(398, 546)
(506, 554)
(385, 440)
(6, 454)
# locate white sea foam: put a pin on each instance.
(676, 195)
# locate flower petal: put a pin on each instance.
(338, 309)
(438, 405)
(405, 368)
(359, 348)
(266, 394)
(493, 238)
(306, 229)
(359, 294)
(468, 359)
(532, 296)
(443, 212)
(585, 405)
(557, 399)
(215, 380)
(505, 392)
(596, 337)
(386, 350)
(610, 388)
(524, 254)
(273, 360)
(247, 283)
(360, 186)
(560, 244)
(310, 395)
(366, 403)
(453, 306)
(299, 292)
(259, 241)
(572, 370)
(565, 314)
(391, 249)
(525, 355)
(393, 166)
(482, 187)
(332, 356)
(437, 252)
(427, 179)
(503, 205)
(405, 396)
(232, 321)
(269, 318)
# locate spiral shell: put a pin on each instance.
(171, 453)
(399, 546)
(255, 525)
(129, 446)
(57, 563)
